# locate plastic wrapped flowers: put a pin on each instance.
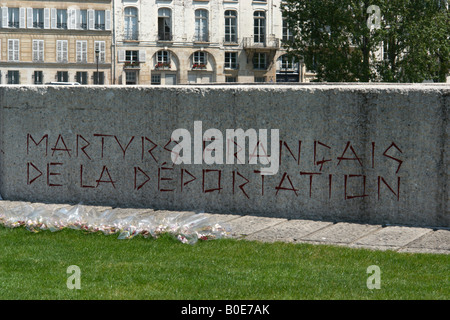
(186, 227)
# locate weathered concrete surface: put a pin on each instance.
(357, 153)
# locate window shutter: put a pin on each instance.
(102, 51)
(59, 50)
(107, 19)
(4, 17)
(90, 13)
(84, 51)
(22, 18)
(78, 51)
(35, 50)
(121, 55)
(41, 50)
(50, 19)
(141, 55)
(64, 49)
(77, 19)
(10, 50)
(69, 19)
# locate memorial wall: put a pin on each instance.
(345, 152)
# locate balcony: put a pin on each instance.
(61, 25)
(99, 26)
(261, 42)
(38, 25)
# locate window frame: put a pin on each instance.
(229, 63)
(14, 52)
(201, 27)
(38, 50)
(231, 20)
(165, 35)
(131, 23)
(257, 64)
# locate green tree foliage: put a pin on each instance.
(333, 39)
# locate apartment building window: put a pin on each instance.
(61, 19)
(13, 77)
(230, 60)
(81, 77)
(199, 59)
(38, 77)
(99, 20)
(62, 76)
(260, 61)
(162, 56)
(13, 49)
(38, 18)
(101, 47)
(61, 51)
(287, 33)
(13, 17)
(99, 77)
(230, 26)
(82, 19)
(286, 63)
(131, 23)
(38, 50)
(259, 26)
(131, 77)
(162, 60)
(81, 47)
(156, 79)
(131, 55)
(230, 79)
(164, 24)
(201, 25)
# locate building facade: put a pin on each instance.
(48, 41)
(146, 42)
(200, 41)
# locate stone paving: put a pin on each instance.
(354, 235)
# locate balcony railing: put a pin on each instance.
(13, 24)
(99, 26)
(61, 25)
(261, 42)
(39, 25)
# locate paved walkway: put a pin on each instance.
(377, 237)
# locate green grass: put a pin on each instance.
(33, 266)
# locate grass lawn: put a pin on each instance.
(34, 266)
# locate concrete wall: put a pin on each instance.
(367, 153)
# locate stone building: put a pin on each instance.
(200, 41)
(46, 41)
